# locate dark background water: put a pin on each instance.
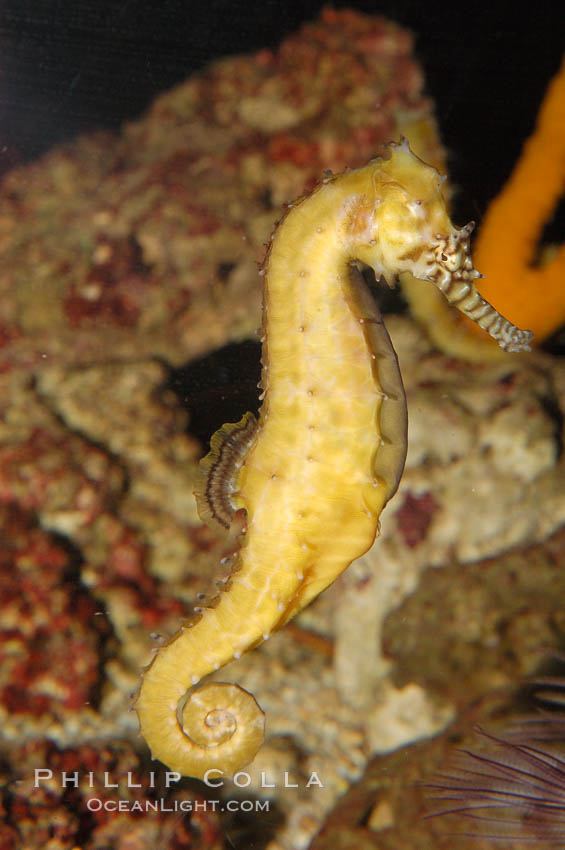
(68, 66)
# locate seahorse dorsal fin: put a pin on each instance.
(219, 470)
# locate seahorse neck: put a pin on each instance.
(307, 237)
(305, 271)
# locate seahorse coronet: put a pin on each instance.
(303, 488)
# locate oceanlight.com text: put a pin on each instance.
(96, 804)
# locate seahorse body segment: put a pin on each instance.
(314, 473)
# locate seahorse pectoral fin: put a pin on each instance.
(219, 470)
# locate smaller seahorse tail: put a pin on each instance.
(215, 727)
(446, 330)
(467, 300)
(458, 287)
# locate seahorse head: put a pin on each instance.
(403, 225)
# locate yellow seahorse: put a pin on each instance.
(312, 476)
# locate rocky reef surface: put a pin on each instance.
(126, 257)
